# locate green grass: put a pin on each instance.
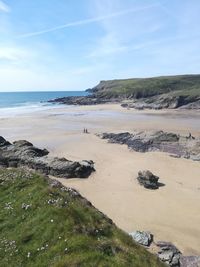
(67, 231)
(147, 87)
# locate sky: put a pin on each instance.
(73, 44)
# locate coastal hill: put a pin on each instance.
(165, 91)
(154, 93)
(44, 223)
(148, 87)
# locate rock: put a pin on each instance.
(147, 141)
(3, 142)
(3, 162)
(23, 153)
(120, 138)
(195, 157)
(22, 143)
(168, 253)
(163, 101)
(26, 206)
(12, 163)
(148, 179)
(60, 167)
(190, 261)
(81, 100)
(130, 97)
(175, 156)
(63, 167)
(193, 105)
(143, 238)
(22, 149)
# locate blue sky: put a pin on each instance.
(73, 44)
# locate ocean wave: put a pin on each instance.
(25, 109)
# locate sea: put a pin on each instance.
(15, 103)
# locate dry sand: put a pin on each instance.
(171, 213)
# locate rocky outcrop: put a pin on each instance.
(169, 92)
(163, 101)
(141, 237)
(81, 100)
(168, 253)
(23, 153)
(156, 102)
(145, 141)
(148, 179)
(190, 261)
(165, 251)
(152, 103)
(194, 105)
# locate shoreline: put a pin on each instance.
(171, 213)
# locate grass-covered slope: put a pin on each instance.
(189, 85)
(45, 225)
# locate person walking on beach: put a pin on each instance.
(85, 130)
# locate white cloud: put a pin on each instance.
(4, 7)
(121, 33)
(107, 45)
(12, 53)
(87, 21)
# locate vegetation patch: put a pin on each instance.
(186, 85)
(42, 225)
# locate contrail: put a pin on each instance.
(86, 21)
(4, 7)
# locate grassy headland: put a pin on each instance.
(45, 225)
(188, 85)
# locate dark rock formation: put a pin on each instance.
(145, 141)
(165, 251)
(3, 142)
(189, 261)
(148, 179)
(23, 153)
(152, 93)
(193, 105)
(156, 102)
(163, 101)
(168, 253)
(143, 238)
(80, 100)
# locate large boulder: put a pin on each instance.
(23, 148)
(148, 179)
(168, 253)
(23, 153)
(61, 167)
(141, 237)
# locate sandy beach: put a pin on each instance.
(170, 213)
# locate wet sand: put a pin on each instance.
(170, 213)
